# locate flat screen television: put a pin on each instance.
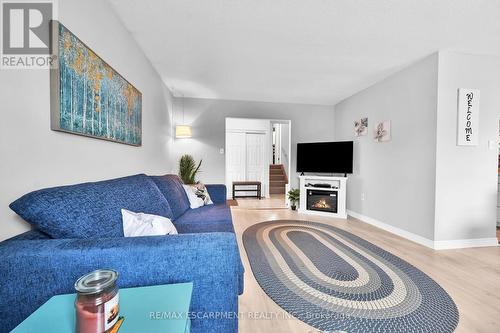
(325, 157)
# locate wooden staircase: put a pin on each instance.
(277, 179)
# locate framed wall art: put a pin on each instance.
(89, 97)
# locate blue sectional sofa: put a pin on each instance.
(78, 228)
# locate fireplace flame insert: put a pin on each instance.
(323, 201)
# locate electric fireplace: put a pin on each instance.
(323, 201)
(323, 196)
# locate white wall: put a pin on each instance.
(421, 184)
(396, 178)
(467, 177)
(33, 156)
(248, 125)
(207, 116)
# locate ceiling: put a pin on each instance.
(300, 51)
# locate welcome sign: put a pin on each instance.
(468, 117)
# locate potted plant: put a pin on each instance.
(293, 196)
(188, 169)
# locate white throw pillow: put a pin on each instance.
(201, 191)
(141, 224)
(194, 200)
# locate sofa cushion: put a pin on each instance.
(90, 210)
(211, 218)
(171, 188)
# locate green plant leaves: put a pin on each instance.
(294, 195)
(188, 169)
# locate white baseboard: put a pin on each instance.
(436, 245)
(465, 243)
(387, 227)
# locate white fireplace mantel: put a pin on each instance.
(338, 184)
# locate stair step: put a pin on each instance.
(277, 179)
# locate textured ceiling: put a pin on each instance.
(300, 51)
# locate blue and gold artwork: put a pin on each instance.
(89, 97)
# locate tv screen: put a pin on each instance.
(325, 157)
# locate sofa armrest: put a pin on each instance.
(218, 193)
(32, 271)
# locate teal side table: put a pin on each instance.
(162, 308)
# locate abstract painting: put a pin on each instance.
(361, 127)
(382, 131)
(88, 97)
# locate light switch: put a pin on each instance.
(492, 144)
(221, 151)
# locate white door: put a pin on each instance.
(235, 159)
(256, 161)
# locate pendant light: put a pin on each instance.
(183, 131)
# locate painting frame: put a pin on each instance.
(361, 127)
(56, 93)
(382, 131)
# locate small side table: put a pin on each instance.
(146, 309)
(257, 189)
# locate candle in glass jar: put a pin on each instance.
(97, 302)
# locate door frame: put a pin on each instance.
(267, 131)
(289, 167)
(276, 130)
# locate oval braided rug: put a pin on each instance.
(334, 280)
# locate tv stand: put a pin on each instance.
(337, 186)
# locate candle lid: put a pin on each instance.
(96, 281)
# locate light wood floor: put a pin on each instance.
(276, 201)
(470, 276)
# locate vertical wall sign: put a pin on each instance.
(468, 117)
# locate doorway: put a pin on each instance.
(280, 169)
(255, 150)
